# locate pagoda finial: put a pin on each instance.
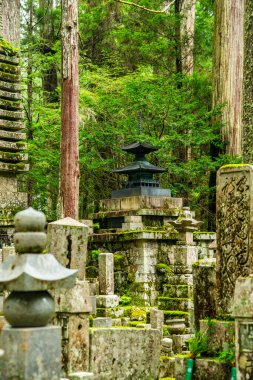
(139, 122)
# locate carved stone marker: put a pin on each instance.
(243, 313)
(234, 230)
(32, 347)
(106, 273)
(67, 240)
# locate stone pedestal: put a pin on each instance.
(72, 313)
(67, 240)
(243, 313)
(234, 230)
(31, 353)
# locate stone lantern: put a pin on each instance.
(186, 225)
(32, 346)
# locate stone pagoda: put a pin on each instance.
(13, 159)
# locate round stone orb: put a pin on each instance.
(30, 220)
(28, 309)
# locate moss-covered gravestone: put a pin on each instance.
(234, 230)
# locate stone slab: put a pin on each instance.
(11, 125)
(10, 95)
(10, 86)
(107, 301)
(11, 115)
(12, 146)
(106, 273)
(81, 376)
(75, 341)
(13, 157)
(123, 353)
(13, 168)
(31, 353)
(13, 59)
(75, 300)
(234, 230)
(12, 135)
(102, 322)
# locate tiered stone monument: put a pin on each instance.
(12, 140)
(67, 240)
(234, 230)
(32, 348)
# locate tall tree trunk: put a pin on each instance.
(49, 79)
(187, 34)
(69, 183)
(228, 70)
(248, 84)
(10, 20)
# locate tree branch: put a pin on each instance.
(163, 11)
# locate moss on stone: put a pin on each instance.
(7, 47)
(234, 166)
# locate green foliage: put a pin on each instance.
(94, 254)
(125, 300)
(228, 356)
(198, 345)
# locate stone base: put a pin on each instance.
(31, 353)
(204, 369)
(107, 301)
(81, 376)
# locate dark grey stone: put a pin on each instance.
(136, 191)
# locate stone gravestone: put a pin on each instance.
(234, 230)
(67, 240)
(243, 313)
(32, 347)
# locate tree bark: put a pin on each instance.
(248, 84)
(10, 19)
(187, 35)
(69, 182)
(49, 79)
(228, 70)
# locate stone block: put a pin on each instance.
(220, 334)
(167, 367)
(107, 301)
(81, 376)
(234, 230)
(133, 219)
(178, 291)
(102, 322)
(106, 273)
(204, 369)
(67, 240)
(75, 341)
(13, 167)
(74, 300)
(185, 255)
(12, 125)
(132, 226)
(156, 319)
(31, 353)
(179, 342)
(7, 251)
(204, 290)
(167, 303)
(124, 353)
(167, 342)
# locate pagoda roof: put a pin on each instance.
(138, 147)
(139, 166)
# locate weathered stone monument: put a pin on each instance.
(243, 313)
(31, 345)
(234, 230)
(67, 240)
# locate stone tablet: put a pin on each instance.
(234, 230)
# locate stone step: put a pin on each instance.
(17, 136)
(11, 87)
(9, 68)
(11, 115)
(12, 146)
(15, 168)
(10, 104)
(11, 125)
(10, 53)
(14, 60)
(8, 77)
(177, 291)
(10, 95)
(15, 157)
(182, 304)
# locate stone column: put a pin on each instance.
(157, 319)
(106, 298)
(234, 230)
(67, 240)
(32, 348)
(243, 313)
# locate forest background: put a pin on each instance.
(131, 60)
